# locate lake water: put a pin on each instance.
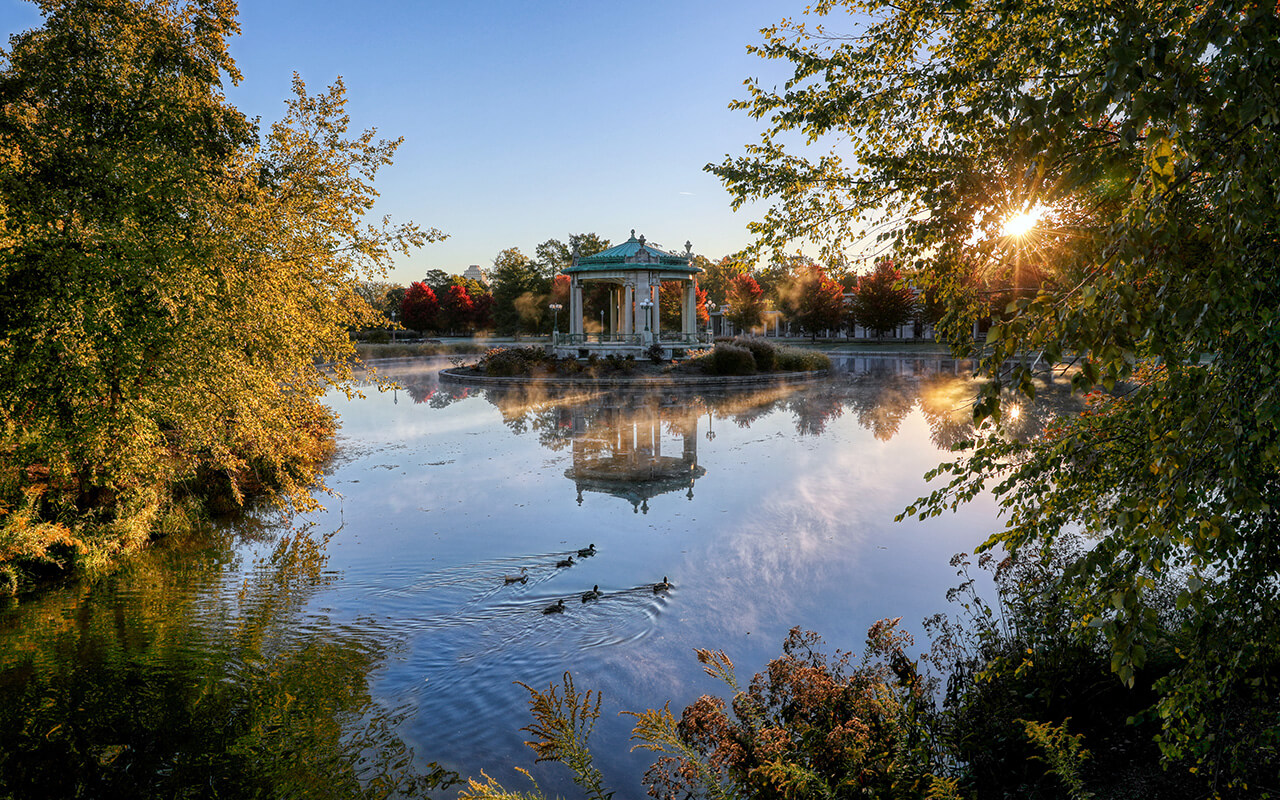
(383, 622)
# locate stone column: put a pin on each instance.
(643, 292)
(628, 305)
(615, 304)
(689, 317)
(575, 293)
(655, 294)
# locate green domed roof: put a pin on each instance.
(635, 252)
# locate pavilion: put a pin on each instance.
(631, 323)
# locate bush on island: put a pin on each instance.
(729, 359)
(796, 359)
(508, 361)
(762, 351)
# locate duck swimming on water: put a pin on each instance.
(594, 594)
(589, 550)
(521, 578)
(565, 562)
(662, 587)
(555, 608)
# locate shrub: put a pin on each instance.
(795, 359)
(729, 359)
(509, 361)
(654, 353)
(762, 351)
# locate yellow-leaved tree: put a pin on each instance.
(177, 286)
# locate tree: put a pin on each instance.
(813, 300)
(881, 303)
(671, 305)
(717, 275)
(376, 294)
(456, 309)
(482, 311)
(554, 256)
(438, 280)
(746, 303)
(172, 280)
(519, 291)
(420, 309)
(1135, 144)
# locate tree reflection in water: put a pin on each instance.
(155, 682)
(880, 392)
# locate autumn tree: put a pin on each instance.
(881, 303)
(456, 310)
(1129, 150)
(172, 278)
(419, 309)
(746, 303)
(717, 275)
(812, 300)
(482, 312)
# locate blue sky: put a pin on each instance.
(524, 121)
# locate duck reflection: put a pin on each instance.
(618, 448)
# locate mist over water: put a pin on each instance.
(765, 509)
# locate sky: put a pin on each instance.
(524, 121)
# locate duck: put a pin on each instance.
(594, 594)
(521, 578)
(662, 587)
(555, 608)
(566, 562)
(589, 550)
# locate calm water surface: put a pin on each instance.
(384, 619)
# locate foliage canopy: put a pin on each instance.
(173, 280)
(1144, 137)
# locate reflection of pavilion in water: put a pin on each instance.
(618, 448)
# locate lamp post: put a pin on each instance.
(711, 309)
(555, 325)
(602, 324)
(646, 304)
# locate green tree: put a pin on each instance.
(1139, 140)
(671, 305)
(519, 292)
(438, 280)
(376, 294)
(881, 303)
(554, 256)
(172, 281)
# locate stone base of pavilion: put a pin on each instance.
(675, 346)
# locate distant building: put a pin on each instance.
(476, 274)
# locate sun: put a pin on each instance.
(1020, 224)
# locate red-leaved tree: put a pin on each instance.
(456, 309)
(419, 310)
(746, 303)
(812, 300)
(482, 311)
(880, 303)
